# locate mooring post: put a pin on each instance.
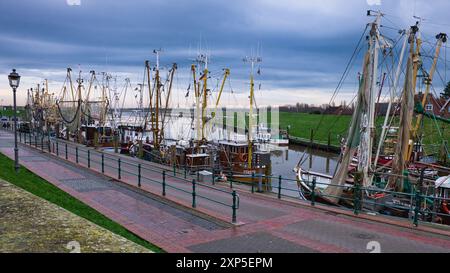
(252, 183)
(118, 170)
(329, 141)
(66, 152)
(313, 192)
(103, 163)
(76, 154)
(116, 145)
(356, 194)
(417, 208)
(234, 208)
(260, 185)
(89, 158)
(194, 203)
(279, 187)
(164, 183)
(139, 175)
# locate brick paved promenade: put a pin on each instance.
(264, 223)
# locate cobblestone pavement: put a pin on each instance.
(31, 224)
(265, 224)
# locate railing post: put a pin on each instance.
(89, 158)
(66, 152)
(42, 143)
(76, 154)
(57, 148)
(103, 163)
(164, 183)
(119, 170)
(185, 173)
(356, 195)
(253, 184)
(174, 170)
(279, 187)
(53, 146)
(194, 203)
(20, 136)
(139, 175)
(234, 207)
(313, 192)
(29, 135)
(417, 208)
(35, 141)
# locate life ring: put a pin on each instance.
(243, 157)
(444, 207)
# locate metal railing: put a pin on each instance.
(129, 167)
(415, 208)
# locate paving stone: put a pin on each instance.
(260, 242)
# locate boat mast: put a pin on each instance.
(442, 38)
(197, 100)
(169, 91)
(150, 94)
(392, 97)
(158, 88)
(78, 125)
(205, 96)
(406, 110)
(252, 60)
(367, 138)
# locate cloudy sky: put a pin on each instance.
(304, 45)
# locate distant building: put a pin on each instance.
(437, 106)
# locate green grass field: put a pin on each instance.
(302, 123)
(10, 113)
(40, 187)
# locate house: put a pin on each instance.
(437, 106)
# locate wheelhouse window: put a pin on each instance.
(429, 107)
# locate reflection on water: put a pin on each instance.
(283, 163)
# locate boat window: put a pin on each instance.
(429, 107)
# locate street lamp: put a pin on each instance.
(14, 80)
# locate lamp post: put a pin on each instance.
(14, 80)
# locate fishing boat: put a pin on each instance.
(395, 163)
(242, 159)
(443, 206)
